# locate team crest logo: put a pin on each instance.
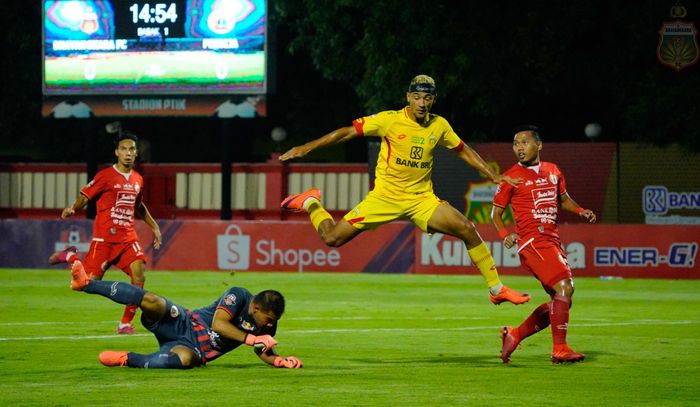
(479, 199)
(678, 45)
(89, 24)
(553, 179)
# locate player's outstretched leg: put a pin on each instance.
(157, 360)
(117, 291)
(510, 295)
(299, 202)
(512, 337)
(63, 256)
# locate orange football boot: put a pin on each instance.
(112, 358)
(510, 341)
(296, 202)
(80, 278)
(564, 354)
(506, 294)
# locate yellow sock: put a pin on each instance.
(482, 259)
(317, 214)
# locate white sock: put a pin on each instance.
(308, 201)
(496, 288)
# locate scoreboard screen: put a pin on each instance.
(107, 47)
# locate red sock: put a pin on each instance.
(130, 310)
(71, 258)
(559, 318)
(537, 321)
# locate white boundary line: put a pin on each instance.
(363, 330)
(349, 318)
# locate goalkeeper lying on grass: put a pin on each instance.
(191, 338)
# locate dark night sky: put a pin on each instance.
(301, 101)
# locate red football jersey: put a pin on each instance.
(117, 195)
(535, 202)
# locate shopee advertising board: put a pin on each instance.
(277, 246)
(653, 251)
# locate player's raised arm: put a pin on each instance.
(337, 136)
(471, 157)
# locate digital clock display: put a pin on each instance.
(136, 19)
(157, 13)
(151, 47)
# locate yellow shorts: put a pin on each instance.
(377, 209)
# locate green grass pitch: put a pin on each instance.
(365, 339)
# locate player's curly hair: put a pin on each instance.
(270, 301)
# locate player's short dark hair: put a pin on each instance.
(125, 135)
(270, 301)
(528, 127)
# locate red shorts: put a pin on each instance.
(546, 261)
(120, 255)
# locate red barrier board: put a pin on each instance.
(651, 251)
(276, 246)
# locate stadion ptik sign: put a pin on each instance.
(658, 201)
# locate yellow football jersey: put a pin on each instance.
(405, 161)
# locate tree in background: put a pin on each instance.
(497, 65)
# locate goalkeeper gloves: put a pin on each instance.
(262, 342)
(290, 362)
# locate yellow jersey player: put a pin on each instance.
(403, 186)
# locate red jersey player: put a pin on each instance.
(117, 193)
(535, 204)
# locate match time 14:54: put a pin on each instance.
(157, 13)
(679, 255)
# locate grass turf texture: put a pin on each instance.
(365, 339)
